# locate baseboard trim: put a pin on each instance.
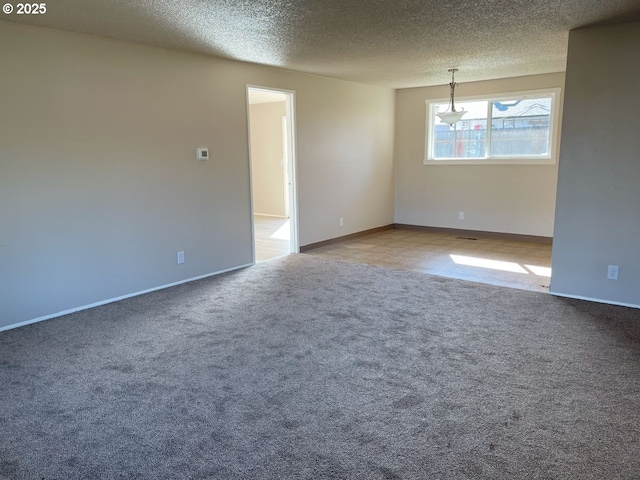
(476, 233)
(255, 214)
(117, 299)
(442, 230)
(331, 241)
(597, 300)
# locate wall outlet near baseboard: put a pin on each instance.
(460, 215)
(612, 272)
(341, 222)
(180, 257)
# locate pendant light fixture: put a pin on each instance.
(451, 115)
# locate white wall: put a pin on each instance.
(345, 151)
(598, 207)
(99, 185)
(517, 199)
(267, 155)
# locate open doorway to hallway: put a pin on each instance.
(271, 140)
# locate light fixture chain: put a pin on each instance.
(453, 86)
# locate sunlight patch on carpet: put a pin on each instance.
(488, 263)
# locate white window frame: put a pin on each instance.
(554, 130)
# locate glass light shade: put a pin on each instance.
(451, 117)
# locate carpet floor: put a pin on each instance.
(310, 368)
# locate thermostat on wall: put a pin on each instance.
(202, 153)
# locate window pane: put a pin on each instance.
(465, 139)
(520, 127)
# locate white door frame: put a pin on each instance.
(291, 159)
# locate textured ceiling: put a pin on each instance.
(399, 43)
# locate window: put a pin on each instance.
(518, 127)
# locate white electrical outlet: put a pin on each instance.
(180, 257)
(460, 215)
(612, 272)
(341, 222)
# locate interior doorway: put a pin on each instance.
(272, 160)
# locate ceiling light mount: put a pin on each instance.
(451, 115)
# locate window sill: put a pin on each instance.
(492, 161)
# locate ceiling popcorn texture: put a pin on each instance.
(398, 44)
